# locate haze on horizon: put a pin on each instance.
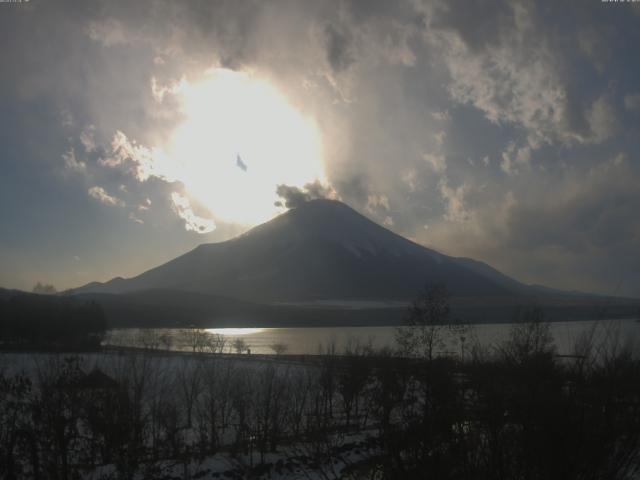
(501, 131)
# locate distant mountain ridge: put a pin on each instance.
(322, 250)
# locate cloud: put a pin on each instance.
(160, 91)
(595, 212)
(514, 159)
(512, 80)
(66, 118)
(602, 119)
(504, 63)
(442, 116)
(293, 197)
(72, 163)
(583, 235)
(145, 205)
(133, 217)
(375, 202)
(100, 194)
(594, 219)
(141, 162)
(410, 178)
(87, 139)
(129, 153)
(192, 222)
(437, 162)
(110, 32)
(339, 54)
(454, 198)
(598, 51)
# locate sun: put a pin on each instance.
(240, 139)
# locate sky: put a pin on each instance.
(505, 131)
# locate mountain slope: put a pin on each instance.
(320, 250)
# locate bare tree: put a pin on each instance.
(239, 345)
(207, 407)
(195, 339)
(269, 408)
(529, 338)
(190, 384)
(57, 413)
(215, 343)
(279, 348)
(425, 320)
(149, 338)
(166, 340)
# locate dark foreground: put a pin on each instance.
(516, 412)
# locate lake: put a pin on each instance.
(312, 340)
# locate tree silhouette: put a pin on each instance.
(425, 320)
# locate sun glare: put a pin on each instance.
(240, 139)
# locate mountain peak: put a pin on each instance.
(324, 210)
(320, 210)
(334, 223)
(324, 205)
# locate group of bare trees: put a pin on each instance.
(147, 412)
(516, 410)
(195, 340)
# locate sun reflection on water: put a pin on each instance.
(235, 331)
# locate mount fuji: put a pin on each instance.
(321, 251)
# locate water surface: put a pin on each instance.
(314, 340)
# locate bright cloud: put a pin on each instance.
(193, 222)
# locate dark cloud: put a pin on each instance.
(292, 197)
(339, 52)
